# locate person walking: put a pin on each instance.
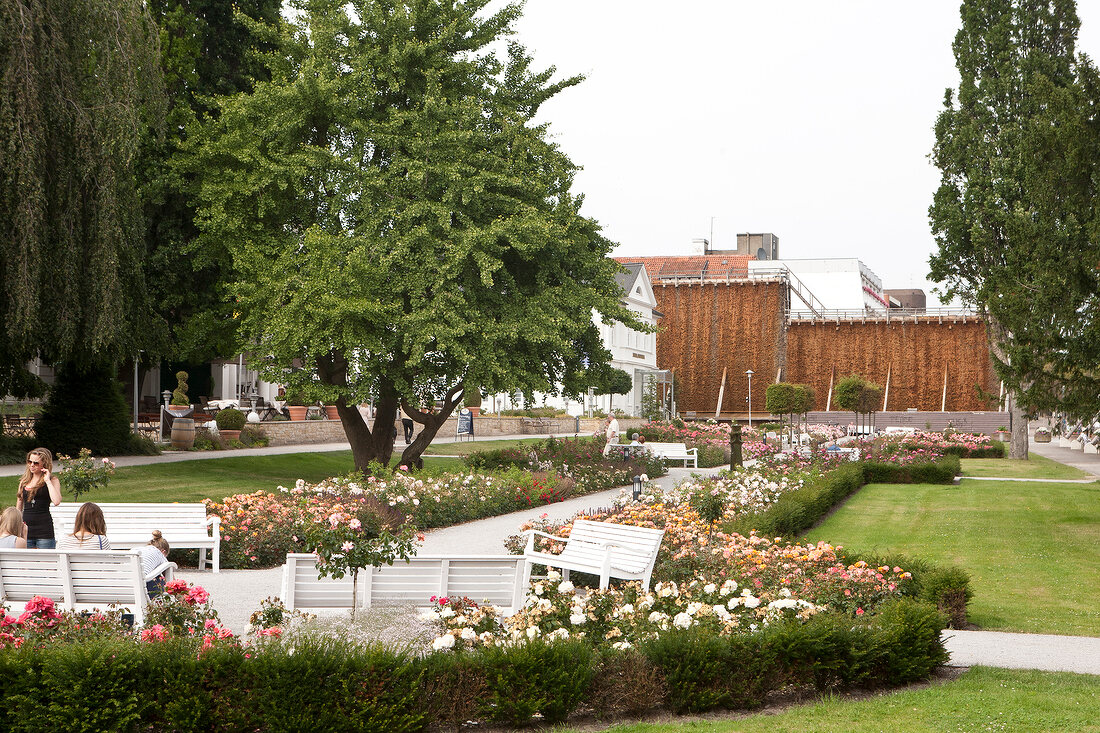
(39, 489)
(407, 423)
(612, 433)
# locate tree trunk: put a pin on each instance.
(366, 444)
(1017, 423)
(432, 422)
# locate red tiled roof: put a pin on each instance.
(706, 267)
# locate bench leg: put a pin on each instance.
(565, 574)
(525, 584)
(202, 558)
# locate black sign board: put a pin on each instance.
(466, 423)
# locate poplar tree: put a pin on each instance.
(400, 223)
(1015, 216)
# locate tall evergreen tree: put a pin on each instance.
(400, 224)
(79, 88)
(1016, 213)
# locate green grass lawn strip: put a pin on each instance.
(1035, 467)
(981, 699)
(216, 478)
(1032, 549)
(466, 447)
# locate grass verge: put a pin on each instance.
(1034, 467)
(980, 699)
(1032, 549)
(467, 447)
(216, 478)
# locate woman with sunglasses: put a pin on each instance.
(39, 489)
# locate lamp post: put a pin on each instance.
(637, 487)
(749, 372)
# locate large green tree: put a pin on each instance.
(1016, 213)
(79, 88)
(400, 222)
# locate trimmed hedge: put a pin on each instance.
(323, 685)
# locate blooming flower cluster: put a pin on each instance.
(82, 474)
(621, 617)
(929, 444)
(741, 492)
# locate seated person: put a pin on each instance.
(153, 555)
(13, 533)
(89, 530)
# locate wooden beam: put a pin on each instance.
(829, 398)
(886, 396)
(721, 391)
(943, 401)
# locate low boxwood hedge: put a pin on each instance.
(118, 684)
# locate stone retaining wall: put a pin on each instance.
(305, 432)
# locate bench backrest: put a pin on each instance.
(635, 547)
(133, 524)
(666, 447)
(482, 578)
(75, 577)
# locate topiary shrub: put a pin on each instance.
(230, 419)
(179, 394)
(85, 409)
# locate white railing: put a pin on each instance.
(893, 314)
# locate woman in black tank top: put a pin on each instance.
(39, 489)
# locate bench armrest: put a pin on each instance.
(215, 522)
(167, 568)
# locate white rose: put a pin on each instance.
(682, 620)
(565, 587)
(446, 612)
(468, 634)
(751, 602)
(532, 632)
(447, 641)
(709, 588)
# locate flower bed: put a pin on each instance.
(963, 445)
(258, 529)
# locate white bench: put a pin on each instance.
(184, 526)
(601, 548)
(78, 579)
(493, 579)
(674, 452)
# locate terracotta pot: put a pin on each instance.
(230, 435)
(331, 413)
(474, 410)
(297, 412)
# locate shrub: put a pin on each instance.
(85, 409)
(230, 419)
(624, 682)
(548, 678)
(948, 589)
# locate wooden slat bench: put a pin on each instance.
(491, 579)
(674, 452)
(534, 425)
(602, 548)
(78, 579)
(184, 526)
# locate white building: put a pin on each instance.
(632, 351)
(840, 283)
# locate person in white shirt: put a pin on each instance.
(153, 555)
(612, 433)
(13, 533)
(89, 530)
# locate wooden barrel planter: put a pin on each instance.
(183, 433)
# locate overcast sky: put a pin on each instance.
(809, 119)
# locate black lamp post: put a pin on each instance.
(637, 487)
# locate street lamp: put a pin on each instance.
(749, 372)
(637, 487)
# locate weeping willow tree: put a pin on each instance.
(79, 91)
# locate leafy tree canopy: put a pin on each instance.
(399, 222)
(79, 88)
(1016, 213)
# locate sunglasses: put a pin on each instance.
(34, 463)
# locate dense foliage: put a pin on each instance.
(399, 223)
(1015, 215)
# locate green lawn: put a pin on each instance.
(216, 478)
(1032, 549)
(982, 699)
(1034, 467)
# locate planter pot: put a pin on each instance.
(297, 412)
(1042, 438)
(183, 433)
(474, 410)
(1002, 435)
(180, 410)
(230, 435)
(1093, 449)
(331, 413)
